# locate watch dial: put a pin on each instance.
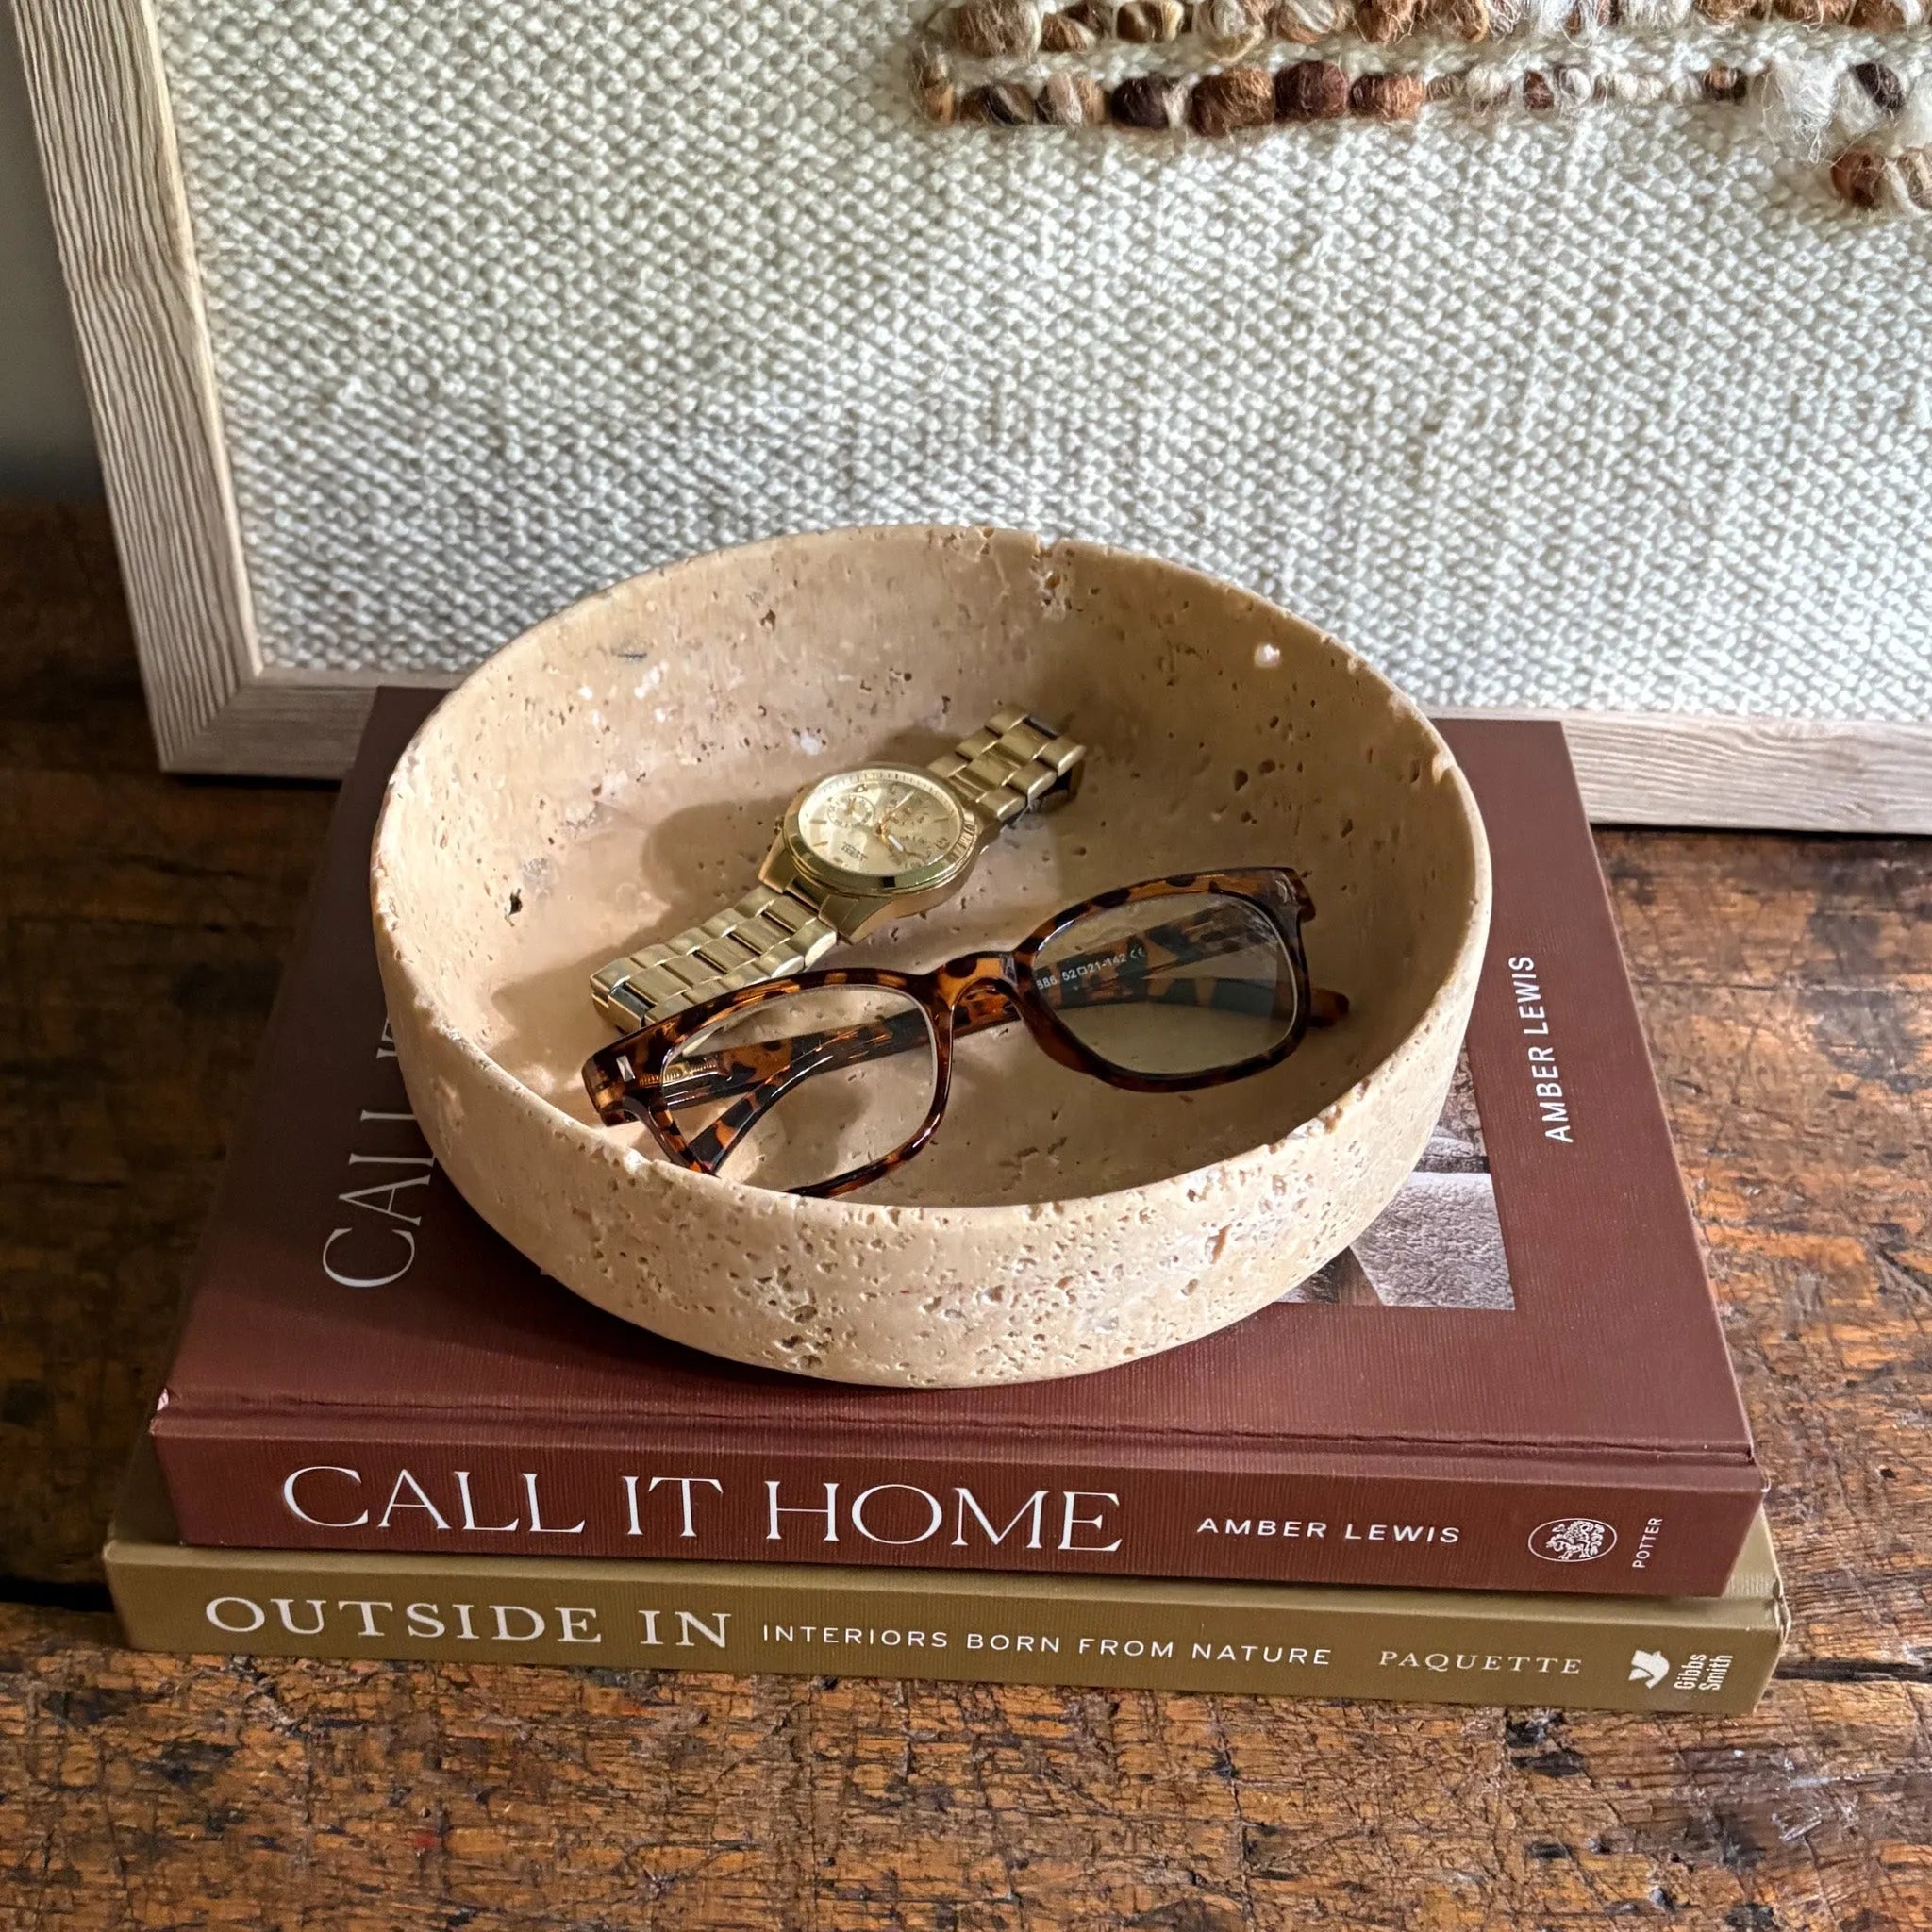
(880, 822)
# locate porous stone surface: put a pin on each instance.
(617, 772)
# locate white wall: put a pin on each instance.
(46, 447)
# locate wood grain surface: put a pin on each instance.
(1795, 775)
(113, 170)
(1787, 984)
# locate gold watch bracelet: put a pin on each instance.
(1014, 763)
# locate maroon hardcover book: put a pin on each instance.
(1515, 1380)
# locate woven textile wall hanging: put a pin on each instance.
(1208, 69)
(1556, 365)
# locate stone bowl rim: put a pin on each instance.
(990, 1217)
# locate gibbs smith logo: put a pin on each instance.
(1701, 1671)
(1572, 1539)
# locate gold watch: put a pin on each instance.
(856, 850)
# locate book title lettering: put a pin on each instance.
(376, 1246)
(388, 1620)
(335, 1496)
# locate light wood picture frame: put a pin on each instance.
(99, 90)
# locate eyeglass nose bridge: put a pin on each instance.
(983, 989)
(988, 990)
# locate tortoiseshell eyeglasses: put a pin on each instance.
(825, 1083)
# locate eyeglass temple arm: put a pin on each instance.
(1217, 929)
(763, 1073)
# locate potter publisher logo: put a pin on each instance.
(1572, 1539)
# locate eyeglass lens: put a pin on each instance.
(1189, 984)
(799, 1090)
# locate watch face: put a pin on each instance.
(887, 823)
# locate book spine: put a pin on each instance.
(1609, 1655)
(1484, 1528)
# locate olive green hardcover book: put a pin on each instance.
(1620, 1653)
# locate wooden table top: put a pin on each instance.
(1786, 987)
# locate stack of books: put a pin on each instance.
(1494, 1453)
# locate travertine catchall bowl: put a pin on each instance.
(616, 774)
